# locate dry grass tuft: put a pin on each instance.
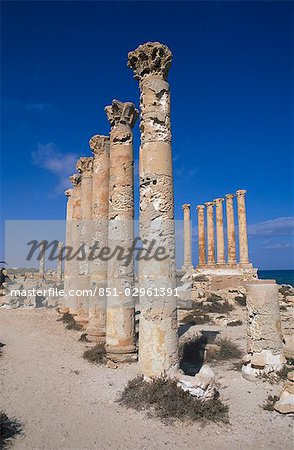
(83, 338)
(164, 399)
(194, 319)
(227, 350)
(96, 354)
(235, 323)
(241, 300)
(9, 428)
(70, 322)
(270, 402)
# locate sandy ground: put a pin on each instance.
(64, 402)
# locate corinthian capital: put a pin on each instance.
(200, 208)
(186, 207)
(122, 113)
(85, 166)
(151, 58)
(99, 144)
(218, 201)
(241, 193)
(207, 204)
(75, 179)
(228, 196)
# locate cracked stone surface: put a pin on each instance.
(264, 333)
(120, 329)
(158, 345)
(100, 146)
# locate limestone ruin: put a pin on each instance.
(100, 220)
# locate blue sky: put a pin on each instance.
(232, 103)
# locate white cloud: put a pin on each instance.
(62, 165)
(282, 226)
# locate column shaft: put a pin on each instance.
(220, 232)
(85, 167)
(96, 329)
(201, 237)
(42, 261)
(59, 264)
(158, 339)
(120, 328)
(231, 230)
(264, 335)
(72, 264)
(187, 238)
(242, 227)
(210, 235)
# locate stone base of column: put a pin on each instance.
(260, 363)
(245, 265)
(187, 267)
(96, 333)
(125, 354)
(232, 265)
(201, 266)
(221, 265)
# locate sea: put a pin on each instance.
(281, 276)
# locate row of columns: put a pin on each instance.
(100, 210)
(206, 238)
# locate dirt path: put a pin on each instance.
(66, 403)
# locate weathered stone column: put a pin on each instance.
(264, 336)
(210, 235)
(59, 263)
(99, 145)
(71, 265)
(242, 226)
(220, 242)
(201, 238)
(231, 230)
(42, 261)
(85, 168)
(187, 238)
(158, 331)
(120, 328)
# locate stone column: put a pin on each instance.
(264, 335)
(158, 333)
(59, 263)
(120, 328)
(85, 168)
(220, 232)
(187, 238)
(210, 235)
(71, 265)
(231, 230)
(42, 261)
(99, 145)
(242, 226)
(201, 238)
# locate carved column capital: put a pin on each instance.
(122, 113)
(151, 58)
(186, 207)
(200, 208)
(218, 201)
(99, 144)
(228, 196)
(85, 166)
(208, 204)
(240, 193)
(75, 179)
